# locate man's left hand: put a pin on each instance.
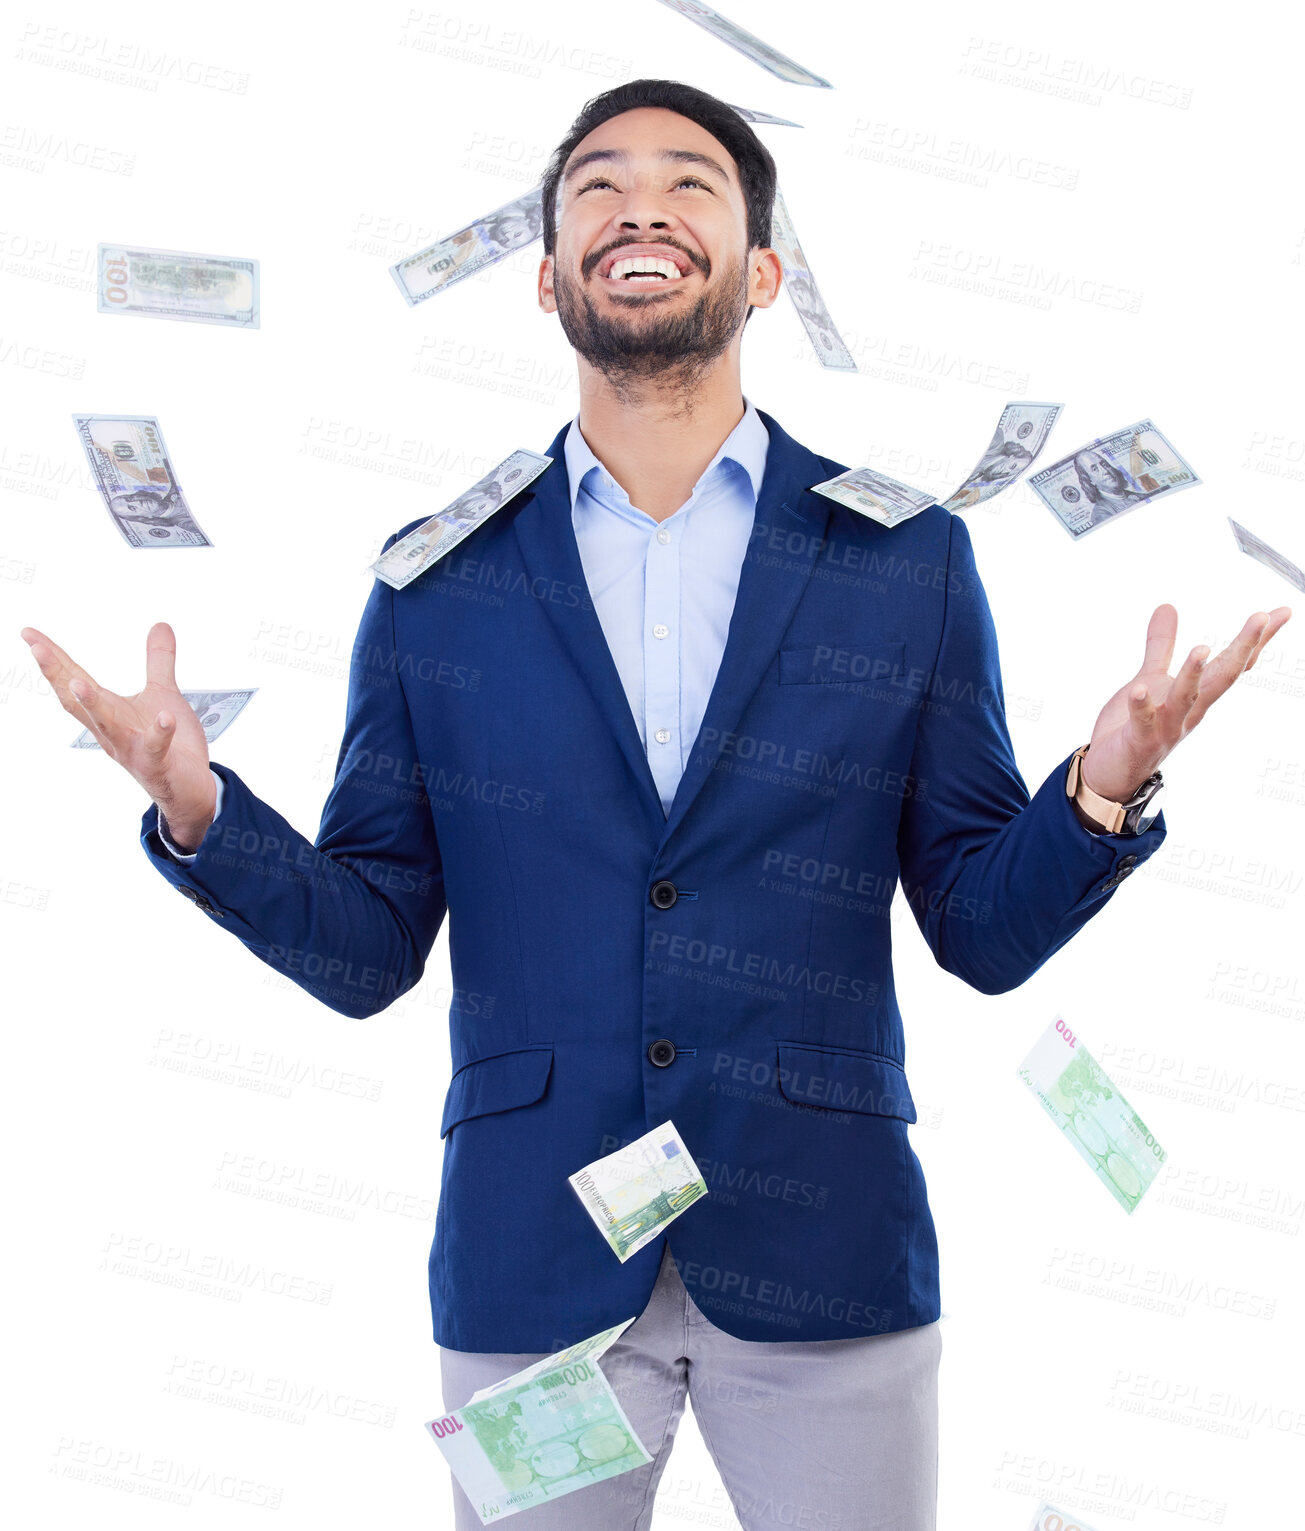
(1146, 718)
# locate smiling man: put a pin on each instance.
(717, 718)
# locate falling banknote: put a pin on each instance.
(875, 495)
(427, 544)
(174, 284)
(480, 245)
(633, 1193)
(133, 473)
(216, 711)
(762, 119)
(1078, 1096)
(805, 294)
(1049, 1518)
(751, 47)
(1110, 476)
(1249, 543)
(546, 1431)
(1020, 436)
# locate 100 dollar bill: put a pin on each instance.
(1260, 550)
(1077, 1094)
(543, 1432)
(428, 543)
(216, 711)
(770, 59)
(174, 284)
(1020, 436)
(133, 473)
(875, 495)
(1110, 476)
(635, 1192)
(1049, 1518)
(480, 245)
(805, 295)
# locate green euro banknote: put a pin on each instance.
(1078, 1096)
(1049, 1518)
(633, 1193)
(543, 1432)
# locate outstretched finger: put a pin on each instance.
(1182, 695)
(1277, 617)
(58, 667)
(161, 657)
(1160, 634)
(1229, 663)
(97, 708)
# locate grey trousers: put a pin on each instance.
(810, 1435)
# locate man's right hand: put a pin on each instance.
(155, 735)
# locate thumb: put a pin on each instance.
(1142, 712)
(158, 738)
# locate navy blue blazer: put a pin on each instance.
(491, 766)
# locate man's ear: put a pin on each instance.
(764, 283)
(544, 285)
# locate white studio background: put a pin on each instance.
(1092, 206)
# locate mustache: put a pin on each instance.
(590, 263)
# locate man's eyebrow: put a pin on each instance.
(680, 156)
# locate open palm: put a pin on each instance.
(154, 735)
(1147, 717)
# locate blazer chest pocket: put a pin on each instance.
(842, 661)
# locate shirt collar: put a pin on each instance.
(745, 445)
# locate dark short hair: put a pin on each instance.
(757, 173)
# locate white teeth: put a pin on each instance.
(644, 264)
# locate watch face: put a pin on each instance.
(1150, 810)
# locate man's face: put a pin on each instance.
(1102, 473)
(650, 182)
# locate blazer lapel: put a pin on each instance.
(546, 536)
(789, 529)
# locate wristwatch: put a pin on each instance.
(1107, 817)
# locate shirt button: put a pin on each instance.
(663, 736)
(663, 535)
(661, 630)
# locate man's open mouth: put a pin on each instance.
(644, 271)
(647, 267)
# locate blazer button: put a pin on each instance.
(1127, 861)
(662, 1052)
(187, 890)
(663, 895)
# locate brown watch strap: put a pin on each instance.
(1101, 813)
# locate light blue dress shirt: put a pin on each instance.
(664, 593)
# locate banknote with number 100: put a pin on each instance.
(1049, 1518)
(1079, 1097)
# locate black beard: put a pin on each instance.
(672, 350)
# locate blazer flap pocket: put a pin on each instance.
(842, 661)
(844, 1081)
(498, 1083)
